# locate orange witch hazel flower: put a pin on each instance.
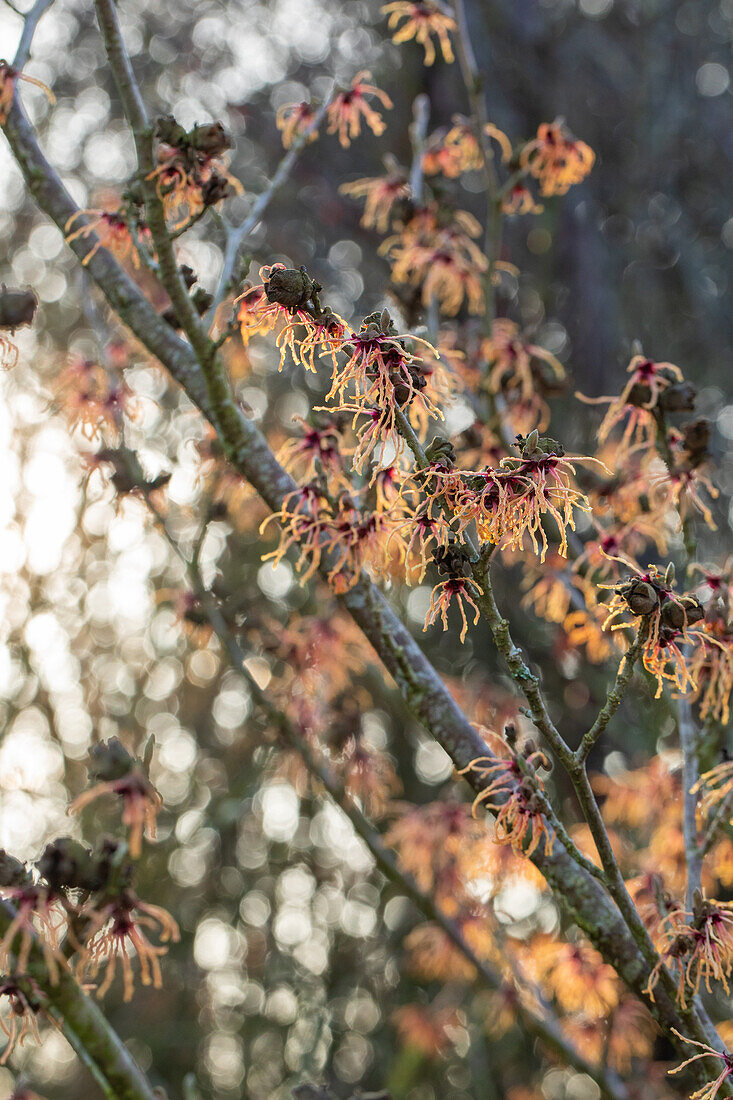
(421, 22)
(112, 231)
(35, 919)
(511, 791)
(556, 158)
(318, 446)
(458, 586)
(510, 501)
(289, 294)
(118, 773)
(424, 1028)
(520, 200)
(115, 927)
(25, 1005)
(715, 786)
(443, 848)
(712, 1088)
(380, 193)
(650, 599)
(294, 119)
(351, 105)
(697, 946)
(8, 79)
(511, 359)
(642, 394)
(369, 776)
(438, 254)
(576, 975)
(191, 175)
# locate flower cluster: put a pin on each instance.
(191, 175)
(351, 105)
(669, 623)
(510, 787)
(77, 908)
(697, 946)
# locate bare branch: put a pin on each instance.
(30, 23)
(615, 695)
(237, 235)
(690, 776)
(103, 1047)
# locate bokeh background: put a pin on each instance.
(292, 959)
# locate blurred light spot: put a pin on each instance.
(292, 926)
(254, 909)
(432, 762)
(712, 79)
(280, 811)
(212, 944)
(596, 9)
(275, 581)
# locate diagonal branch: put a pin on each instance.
(237, 235)
(30, 22)
(103, 1047)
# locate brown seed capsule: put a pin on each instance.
(290, 287)
(451, 561)
(696, 435)
(170, 132)
(679, 398)
(12, 871)
(641, 597)
(17, 307)
(440, 450)
(640, 394)
(109, 760)
(209, 138)
(215, 189)
(682, 613)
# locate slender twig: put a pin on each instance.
(237, 234)
(690, 776)
(721, 816)
(83, 1055)
(615, 694)
(418, 133)
(30, 23)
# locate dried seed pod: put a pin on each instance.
(641, 597)
(291, 287)
(679, 614)
(170, 132)
(209, 138)
(678, 398)
(639, 395)
(17, 307)
(696, 436)
(12, 871)
(215, 189)
(441, 450)
(67, 863)
(109, 760)
(452, 561)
